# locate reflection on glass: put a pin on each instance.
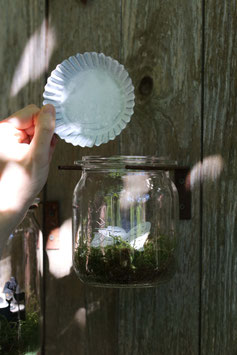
(20, 290)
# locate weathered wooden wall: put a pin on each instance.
(161, 41)
(219, 209)
(182, 60)
(86, 321)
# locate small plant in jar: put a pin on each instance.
(122, 264)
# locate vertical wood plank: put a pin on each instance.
(79, 320)
(22, 35)
(162, 51)
(22, 66)
(22, 56)
(21, 82)
(219, 257)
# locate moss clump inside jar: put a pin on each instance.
(120, 264)
(124, 222)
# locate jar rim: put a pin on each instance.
(128, 162)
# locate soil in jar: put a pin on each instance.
(120, 264)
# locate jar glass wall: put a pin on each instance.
(20, 306)
(124, 222)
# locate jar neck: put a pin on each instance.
(126, 163)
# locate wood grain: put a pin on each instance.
(219, 276)
(22, 57)
(18, 25)
(160, 44)
(22, 67)
(162, 51)
(79, 320)
(21, 23)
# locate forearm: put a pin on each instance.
(26, 148)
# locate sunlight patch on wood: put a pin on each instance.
(208, 170)
(60, 260)
(29, 68)
(80, 317)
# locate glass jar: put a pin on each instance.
(125, 211)
(21, 290)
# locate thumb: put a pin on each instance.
(44, 130)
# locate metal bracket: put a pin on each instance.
(182, 182)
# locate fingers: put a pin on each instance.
(24, 118)
(30, 131)
(44, 130)
(9, 134)
(26, 140)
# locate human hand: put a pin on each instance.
(27, 142)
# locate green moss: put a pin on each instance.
(18, 338)
(120, 264)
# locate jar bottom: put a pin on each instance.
(126, 279)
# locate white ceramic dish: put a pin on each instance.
(93, 96)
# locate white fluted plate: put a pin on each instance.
(93, 96)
